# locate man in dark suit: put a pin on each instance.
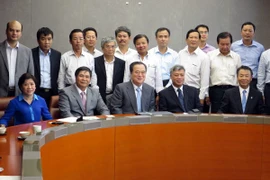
(47, 63)
(109, 69)
(79, 99)
(179, 97)
(134, 96)
(15, 60)
(243, 99)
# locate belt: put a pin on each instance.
(11, 88)
(222, 86)
(109, 93)
(45, 89)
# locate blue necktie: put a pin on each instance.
(139, 100)
(244, 100)
(181, 99)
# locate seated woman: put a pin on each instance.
(26, 107)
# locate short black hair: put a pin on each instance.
(25, 77)
(248, 23)
(74, 31)
(139, 36)
(124, 29)
(244, 68)
(202, 26)
(89, 29)
(44, 31)
(131, 66)
(191, 31)
(224, 35)
(162, 29)
(83, 68)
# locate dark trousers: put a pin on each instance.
(216, 94)
(267, 98)
(253, 83)
(46, 94)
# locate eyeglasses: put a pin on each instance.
(203, 32)
(77, 39)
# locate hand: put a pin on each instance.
(2, 125)
(202, 101)
(207, 100)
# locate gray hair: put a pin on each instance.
(106, 40)
(177, 67)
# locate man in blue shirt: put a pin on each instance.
(249, 50)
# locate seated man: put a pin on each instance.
(79, 99)
(243, 99)
(179, 97)
(133, 96)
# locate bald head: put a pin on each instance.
(14, 31)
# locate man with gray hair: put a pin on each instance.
(122, 35)
(109, 69)
(179, 97)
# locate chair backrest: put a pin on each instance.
(4, 101)
(54, 108)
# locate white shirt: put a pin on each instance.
(166, 60)
(153, 74)
(45, 69)
(197, 68)
(109, 66)
(264, 70)
(241, 92)
(12, 58)
(223, 68)
(96, 53)
(70, 63)
(129, 54)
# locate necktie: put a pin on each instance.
(83, 100)
(139, 99)
(244, 100)
(181, 99)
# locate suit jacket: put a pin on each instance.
(70, 102)
(168, 100)
(231, 102)
(55, 58)
(118, 74)
(24, 64)
(123, 100)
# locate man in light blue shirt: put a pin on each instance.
(166, 56)
(249, 50)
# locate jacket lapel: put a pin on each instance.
(4, 53)
(115, 68)
(101, 64)
(175, 97)
(249, 99)
(238, 100)
(132, 96)
(78, 97)
(145, 98)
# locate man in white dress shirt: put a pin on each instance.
(223, 67)
(123, 51)
(166, 56)
(90, 40)
(73, 59)
(196, 63)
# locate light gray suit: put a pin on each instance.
(124, 101)
(70, 102)
(24, 64)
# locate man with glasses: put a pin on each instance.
(73, 59)
(204, 31)
(90, 40)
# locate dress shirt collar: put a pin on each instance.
(105, 61)
(82, 54)
(144, 58)
(194, 52)
(86, 50)
(21, 97)
(176, 88)
(241, 90)
(228, 55)
(156, 50)
(79, 90)
(41, 52)
(17, 45)
(135, 86)
(117, 49)
(252, 44)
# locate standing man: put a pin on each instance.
(264, 78)
(223, 66)
(109, 69)
(79, 99)
(243, 99)
(133, 96)
(72, 60)
(122, 35)
(179, 97)
(47, 64)
(90, 40)
(196, 63)
(249, 50)
(204, 31)
(15, 60)
(166, 56)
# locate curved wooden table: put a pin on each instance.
(155, 150)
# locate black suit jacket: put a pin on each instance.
(168, 99)
(118, 74)
(231, 102)
(55, 58)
